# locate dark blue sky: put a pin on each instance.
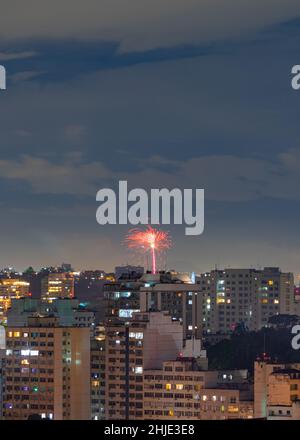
(206, 105)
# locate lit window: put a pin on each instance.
(233, 409)
(25, 352)
(16, 334)
(204, 398)
(168, 386)
(179, 386)
(34, 352)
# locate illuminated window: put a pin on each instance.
(171, 412)
(138, 370)
(25, 352)
(276, 301)
(34, 352)
(24, 362)
(264, 301)
(168, 386)
(9, 334)
(16, 334)
(204, 398)
(214, 398)
(25, 335)
(233, 409)
(270, 282)
(137, 335)
(179, 386)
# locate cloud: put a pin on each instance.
(141, 25)
(45, 177)
(24, 76)
(224, 178)
(10, 56)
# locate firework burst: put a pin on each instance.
(149, 240)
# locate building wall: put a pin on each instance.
(47, 372)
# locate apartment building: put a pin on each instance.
(97, 379)
(276, 389)
(131, 347)
(11, 288)
(47, 371)
(172, 292)
(181, 391)
(69, 311)
(58, 285)
(247, 296)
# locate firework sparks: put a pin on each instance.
(149, 240)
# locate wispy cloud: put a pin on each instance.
(141, 25)
(224, 178)
(10, 56)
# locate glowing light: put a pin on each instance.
(147, 240)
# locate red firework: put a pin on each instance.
(151, 240)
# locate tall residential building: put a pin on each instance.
(180, 390)
(171, 292)
(275, 386)
(11, 288)
(97, 379)
(58, 285)
(70, 312)
(247, 296)
(47, 371)
(131, 347)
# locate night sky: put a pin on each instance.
(188, 94)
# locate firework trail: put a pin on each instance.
(149, 240)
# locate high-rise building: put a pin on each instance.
(70, 312)
(58, 285)
(180, 390)
(11, 288)
(97, 379)
(244, 296)
(172, 292)
(131, 347)
(276, 385)
(47, 371)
